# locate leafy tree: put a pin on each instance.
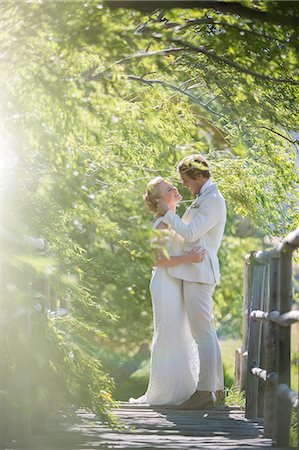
(99, 101)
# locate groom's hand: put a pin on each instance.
(162, 207)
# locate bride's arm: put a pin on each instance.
(194, 256)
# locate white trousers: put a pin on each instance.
(199, 307)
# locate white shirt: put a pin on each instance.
(205, 186)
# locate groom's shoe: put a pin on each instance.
(198, 400)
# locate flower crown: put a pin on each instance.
(192, 162)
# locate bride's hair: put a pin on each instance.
(152, 194)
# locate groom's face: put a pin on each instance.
(193, 185)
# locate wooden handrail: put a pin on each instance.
(283, 320)
(263, 363)
(285, 392)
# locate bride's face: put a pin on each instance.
(169, 193)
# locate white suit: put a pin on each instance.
(202, 224)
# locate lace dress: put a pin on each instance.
(174, 364)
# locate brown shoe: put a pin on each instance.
(198, 400)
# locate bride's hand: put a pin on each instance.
(197, 254)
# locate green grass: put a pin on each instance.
(136, 385)
(294, 430)
(233, 397)
(228, 347)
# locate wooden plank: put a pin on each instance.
(237, 374)
(264, 304)
(144, 427)
(254, 345)
(286, 319)
(284, 377)
(286, 393)
(248, 272)
(271, 350)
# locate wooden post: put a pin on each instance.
(248, 271)
(271, 351)
(238, 367)
(243, 370)
(284, 410)
(264, 306)
(252, 382)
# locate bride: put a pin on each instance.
(174, 364)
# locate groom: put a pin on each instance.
(202, 225)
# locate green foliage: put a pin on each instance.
(234, 397)
(93, 108)
(294, 430)
(228, 297)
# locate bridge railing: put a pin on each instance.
(263, 365)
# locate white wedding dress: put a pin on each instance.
(174, 365)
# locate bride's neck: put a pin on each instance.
(171, 208)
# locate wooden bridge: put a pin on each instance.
(148, 428)
(262, 370)
(263, 365)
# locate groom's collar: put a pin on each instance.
(207, 184)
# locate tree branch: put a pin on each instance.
(167, 51)
(234, 8)
(187, 94)
(292, 141)
(183, 46)
(212, 55)
(174, 88)
(222, 23)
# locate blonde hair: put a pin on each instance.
(152, 194)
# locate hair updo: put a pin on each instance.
(152, 194)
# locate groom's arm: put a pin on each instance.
(202, 222)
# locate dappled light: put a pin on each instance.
(97, 99)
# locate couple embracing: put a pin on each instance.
(186, 366)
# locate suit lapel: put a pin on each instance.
(213, 187)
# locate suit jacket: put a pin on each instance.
(202, 224)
